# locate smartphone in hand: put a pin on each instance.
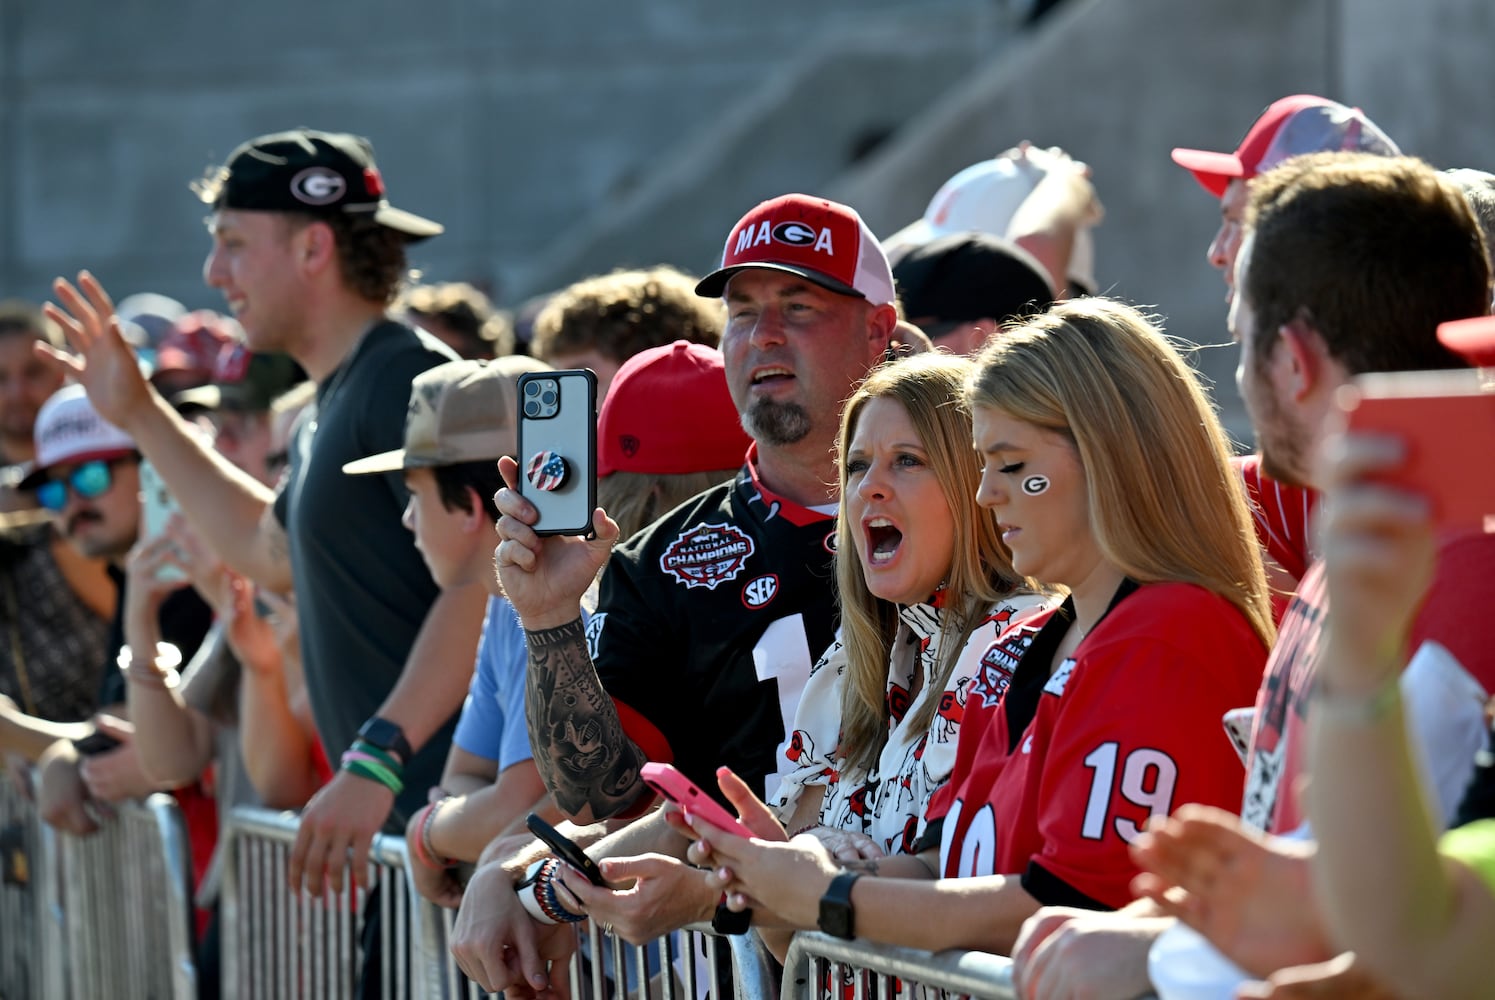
(558, 448)
(565, 849)
(95, 743)
(1447, 422)
(157, 506)
(679, 789)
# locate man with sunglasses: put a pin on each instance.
(87, 474)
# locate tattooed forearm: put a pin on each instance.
(580, 749)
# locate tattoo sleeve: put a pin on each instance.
(581, 751)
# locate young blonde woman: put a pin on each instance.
(925, 587)
(1109, 475)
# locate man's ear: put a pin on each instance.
(316, 247)
(1298, 360)
(882, 322)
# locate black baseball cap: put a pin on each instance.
(317, 173)
(969, 276)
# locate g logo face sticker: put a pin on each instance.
(1036, 485)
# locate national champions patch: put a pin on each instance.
(707, 555)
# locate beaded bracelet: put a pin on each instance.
(545, 895)
(425, 849)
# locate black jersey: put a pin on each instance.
(708, 622)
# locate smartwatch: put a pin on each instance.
(836, 916)
(729, 921)
(386, 736)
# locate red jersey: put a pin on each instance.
(1281, 514)
(1456, 614)
(1055, 775)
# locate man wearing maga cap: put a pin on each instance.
(1291, 126)
(709, 619)
(309, 254)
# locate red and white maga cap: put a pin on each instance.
(1292, 126)
(70, 431)
(821, 241)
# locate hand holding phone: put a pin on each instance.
(679, 789)
(565, 849)
(95, 743)
(558, 449)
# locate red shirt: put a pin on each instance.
(1281, 514)
(1055, 775)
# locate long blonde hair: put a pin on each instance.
(930, 388)
(1165, 503)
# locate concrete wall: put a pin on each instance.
(562, 138)
(511, 122)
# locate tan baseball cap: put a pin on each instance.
(462, 411)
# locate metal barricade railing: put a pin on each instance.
(817, 964)
(284, 945)
(31, 963)
(126, 905)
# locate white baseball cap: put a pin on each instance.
(983, 198)
(69, 430)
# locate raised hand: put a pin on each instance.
(545, 577)
(101, 360)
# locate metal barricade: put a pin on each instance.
(126, 905)
(279, 944)
(818, 964)
(276, 944)
(31, 963)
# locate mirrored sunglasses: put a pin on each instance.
(89, 480)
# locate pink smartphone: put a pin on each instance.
(679, 789)
(1447, 420)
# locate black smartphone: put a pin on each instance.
(558, 448)
(95, 743)
(565, 849)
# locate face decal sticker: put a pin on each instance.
(1036, 485)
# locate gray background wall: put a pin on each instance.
(561, 138)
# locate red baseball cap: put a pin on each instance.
(1292, 126)
(822, 241)
(1473, 339)
(668, 412)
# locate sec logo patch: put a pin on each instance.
(760, 590)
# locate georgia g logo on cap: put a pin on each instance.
(318, 186)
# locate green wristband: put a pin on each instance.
(382, 756)
(375, 772)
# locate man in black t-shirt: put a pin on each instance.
(309, 254)
(708, 620)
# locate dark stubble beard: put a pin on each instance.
(774, 423)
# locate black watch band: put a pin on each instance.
(836, 916)
(725, 921)
(388, 736)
